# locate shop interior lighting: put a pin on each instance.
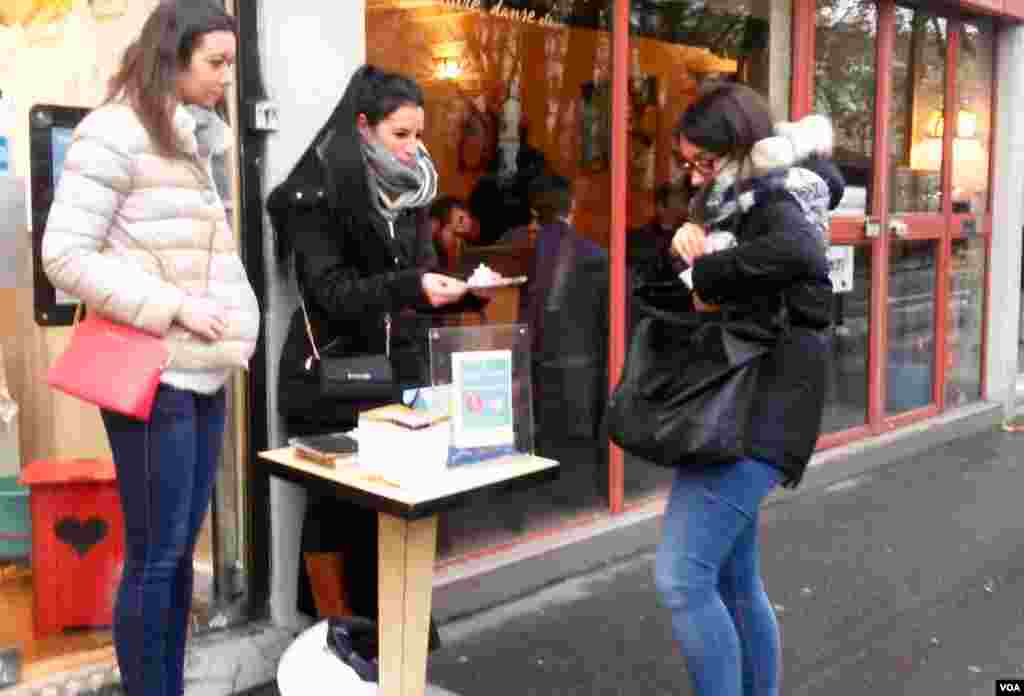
(447, 68)
(966, 124)
(33, 12)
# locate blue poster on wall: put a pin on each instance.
(60, 140)
(5, 155)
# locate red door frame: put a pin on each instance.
(801, 99)
(987, 228)
(617, 238)
(951, 108)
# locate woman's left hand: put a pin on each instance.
(442, 290)
(484, 293)
(702, 306)
(689, 242)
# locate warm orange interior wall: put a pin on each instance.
(551, 63)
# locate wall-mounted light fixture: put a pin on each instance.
(33, 12)
(447, 68)
(970, 155)
(966, 124)
(43, 15)
(448, 60)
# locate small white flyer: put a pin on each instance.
(481, 406)
(840, 268)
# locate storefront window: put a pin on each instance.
(964, 321)
(845, 78)
(846, 386)
(57, 599)
(918, 100)
(844, 90)
(911, 325)
(974, 69)
(966, 302)
(518, 122)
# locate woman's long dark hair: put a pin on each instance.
(727, 120)
(373, 92)
(149, 70)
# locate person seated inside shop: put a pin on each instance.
(451, 227)
(647, 247)
(566, 307)
(524, 234)
(499, 203)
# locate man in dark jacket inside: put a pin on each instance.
(566, 306)
(647, 247)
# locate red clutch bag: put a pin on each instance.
(111, 365)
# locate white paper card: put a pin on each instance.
(840, 268)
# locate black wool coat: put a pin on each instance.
(351, 277)
(779, 255)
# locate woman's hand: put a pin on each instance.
(203, 317)
(702, 306)
(442, 290)
(485, 293)
(689, 242)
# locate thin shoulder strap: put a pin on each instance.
(309, 327)
(305, 314)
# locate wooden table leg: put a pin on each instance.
(406, 557)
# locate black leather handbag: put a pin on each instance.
(687, 386)
(353, 378)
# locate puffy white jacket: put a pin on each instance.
(131, 233)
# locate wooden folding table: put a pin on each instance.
(407, 520)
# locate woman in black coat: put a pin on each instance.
(352, 216)
(760, 251)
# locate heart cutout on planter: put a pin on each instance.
(81, 536)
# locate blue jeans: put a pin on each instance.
(165, 472)
(707, 573)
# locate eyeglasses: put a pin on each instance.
(703, 162)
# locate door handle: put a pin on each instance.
(898, 228)
(872, 228)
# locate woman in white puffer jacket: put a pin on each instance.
(138, 232)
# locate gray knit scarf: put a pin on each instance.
(212, 138)
(395, 186)
(728, 197)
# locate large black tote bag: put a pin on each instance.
(687, 387)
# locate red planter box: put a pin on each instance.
(77, 542)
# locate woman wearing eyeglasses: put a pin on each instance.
(760, 244)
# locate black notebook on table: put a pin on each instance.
(325, 448)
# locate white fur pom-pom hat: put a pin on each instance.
(795, 141)
(811, 135)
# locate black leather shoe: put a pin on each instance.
(353, 640)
